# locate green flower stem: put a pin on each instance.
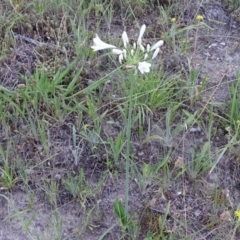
(128, 136)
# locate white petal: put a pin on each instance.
(134, 45)
(100, 45)
(157, 45)
(145, 56)
(155, 53)
(132, 52)
(125, 39)
(117, 51)
(120, 58)
(142, 30)
(144, 67)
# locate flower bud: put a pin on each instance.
(142, 30)
(148, 47)
(120, 58)
(155, 53)
(157, 45)
(125, 39)
(142, 48)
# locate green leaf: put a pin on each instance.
(120, 212)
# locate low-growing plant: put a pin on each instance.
(156, 224)
(167, 134)
(52, 191)
(91, 132)
(93, 137)
(115, 150)
(193, 87)
(77, 148)
(129, 226)
(200, 162)
(78, 187)
(7, 178)
(150, 173)
(234, 107)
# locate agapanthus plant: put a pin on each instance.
(136, 56)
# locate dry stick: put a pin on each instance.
(211, 96)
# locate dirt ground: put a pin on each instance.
(219, 49)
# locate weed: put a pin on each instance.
(149, 173)
(116, 148)
(169, 133)
(201, 161)
(7, 178)
(93, 137)
(156, 223)
(234, 107)
(52, 192)
(78, 187)
(129, 226)
(193, 87)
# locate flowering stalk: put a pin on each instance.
(128, 136)
(135, 58)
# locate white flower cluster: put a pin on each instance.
(135, 56)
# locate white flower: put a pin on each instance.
(155, 53)
(157, 45)
(125, 39)
(100, 45)
(117, 51)
(136, 57)
(142, 30)
(144, 67)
